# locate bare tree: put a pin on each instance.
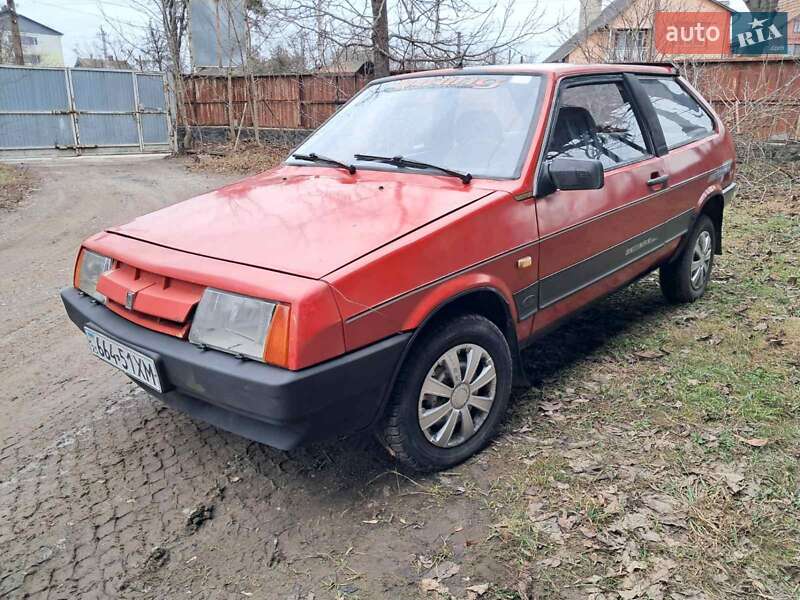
(380, 37)
(164, 36)
(413, 34)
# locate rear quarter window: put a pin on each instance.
(682, 118)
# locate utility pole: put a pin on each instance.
(105, 44)
(380, 38)
(16, 40)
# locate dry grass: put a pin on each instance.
(248, 158)
(15, 184)
(662, 459)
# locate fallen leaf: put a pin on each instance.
(649, 354)
(550, 406)
(430, 585)
(635, 565)
(566, 523)
(476, 591)
(755, 442)
(733, 480)
(445, 570)
(551, 562)
(589, 531)
(633, 521)
(660, 503)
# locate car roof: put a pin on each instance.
(556, 69)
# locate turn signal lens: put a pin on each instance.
(276, 350)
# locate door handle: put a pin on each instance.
(658, 180)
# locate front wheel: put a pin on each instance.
(450, 395)
(686, 278)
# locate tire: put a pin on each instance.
(478, 345)
(686, 278)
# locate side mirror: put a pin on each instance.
(575, 174)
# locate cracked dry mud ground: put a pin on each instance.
(95, 475)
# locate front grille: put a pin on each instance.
(151, 300)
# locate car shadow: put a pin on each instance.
(591, 332)
(335, 469)
(359, 458)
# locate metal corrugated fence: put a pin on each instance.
(45, 111)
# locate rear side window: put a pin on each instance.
(597, 121)
(682, 119)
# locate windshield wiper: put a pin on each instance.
(311, 157)
(399, 161)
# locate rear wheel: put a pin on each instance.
(450, 395)
(686, 278)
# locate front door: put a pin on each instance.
(593, 241)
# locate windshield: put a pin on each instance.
(478, 124)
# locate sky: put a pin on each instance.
(80, 20)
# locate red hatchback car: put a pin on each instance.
(386, 276)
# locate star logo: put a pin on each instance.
(759, 33)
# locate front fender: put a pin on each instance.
(430, 300)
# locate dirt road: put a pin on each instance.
(94, 474)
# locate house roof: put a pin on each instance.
(102, 63)
(608, 14)
(28, 25)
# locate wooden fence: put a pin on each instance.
(284, 101)
(758, 98)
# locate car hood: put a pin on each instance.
(304, 221)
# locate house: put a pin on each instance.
(103, 63)
(41, 45)
(357, 61)
(792, 10)
(623, 30)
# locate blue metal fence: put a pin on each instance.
(46, 111)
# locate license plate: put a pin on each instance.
(137, 365)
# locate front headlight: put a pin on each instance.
(240, 325)
(90, 266)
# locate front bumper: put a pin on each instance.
(275, 406)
